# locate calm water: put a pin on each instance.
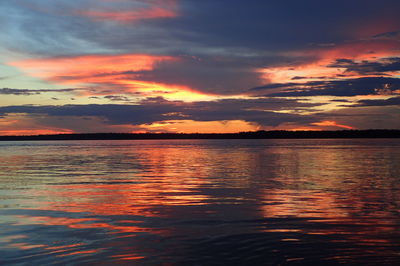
(200, 202)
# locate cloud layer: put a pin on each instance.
(137, 65)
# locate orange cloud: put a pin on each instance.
(110, 73)
(87, 68)
(328, 123)
(364, 50)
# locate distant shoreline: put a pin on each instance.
(279, 134)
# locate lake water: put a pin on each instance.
(200, 202)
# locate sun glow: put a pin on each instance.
(191, 126)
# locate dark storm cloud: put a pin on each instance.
(257, 110)
(368, 67)
(222, 75)
(116, 114)
(275, 25)
(394, 101)
(158, 109)
(346, 87)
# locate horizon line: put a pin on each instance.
(350, 133)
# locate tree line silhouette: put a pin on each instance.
(276, 134)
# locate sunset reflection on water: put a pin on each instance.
(200, 201)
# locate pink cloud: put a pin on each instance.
(153, 10)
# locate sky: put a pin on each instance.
(191, 66)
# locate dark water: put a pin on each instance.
(200, 202)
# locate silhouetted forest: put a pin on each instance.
(278, 134)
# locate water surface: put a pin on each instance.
(200, 202)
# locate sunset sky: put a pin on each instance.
(198, 66)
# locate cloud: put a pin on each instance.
(28, 124)
(210, 74)
(194, 53)
(108, 74)
(117, 98)
(26, 92)
(328, 123)
(114, 114)
(87, 68)
(393, 101)
(366, 117)
(279, 26)
(143, 10)
(345, 87)
(161, 75)
(189, 27)
(388, 35)
(157, 109)
(384, 66)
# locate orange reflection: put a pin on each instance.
(171, 182)
(81, 252)
(64, 246)
(116, 199)
(164, 179)
(302, 204)
(128, 257)
(128, 228)
(25, 246)
(325, 186)
(165, 186)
